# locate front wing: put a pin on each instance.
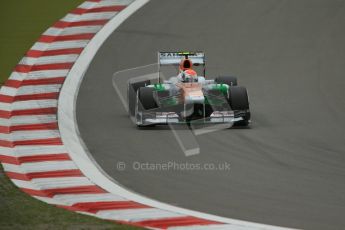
(173, 110)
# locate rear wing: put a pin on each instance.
(174, 58)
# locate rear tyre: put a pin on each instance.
(229, 80)
(238, 100)
(132, 95)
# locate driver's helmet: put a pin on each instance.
(189, 75)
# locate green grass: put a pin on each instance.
(21, 23)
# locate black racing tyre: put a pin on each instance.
(241, 123)
(229, 80)
(238, 99)
(145, 97)
(132, 94)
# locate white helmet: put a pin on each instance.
(189, 75)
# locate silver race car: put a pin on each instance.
(186, 96)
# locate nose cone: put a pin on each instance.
(192, 93)
(194, 97)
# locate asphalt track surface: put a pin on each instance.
(288, 168)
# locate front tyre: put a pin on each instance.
(145, 101)
(132, 95)
(145, 97)
(238, 100)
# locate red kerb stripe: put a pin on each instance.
(43, 126)
(94, 207)
(56, 66)
(106, 9)
(41, 96)
(24, 112)
(49, 39)
(47, 141)
(64, 24)
(98, 9)
(177, 221)
(44, 81)
(36, 158)
(39, 53)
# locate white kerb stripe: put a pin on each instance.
(44, 166)
(49, 59)
(18, 76)
(6, 151)
(113, 3)
(39, 150)
(81, 198)
(38, 89)
(9, 91)
(52, 183)
(13, 152)
(72, 30)
(89, 16)
(30, 135)
(42, 46)
(139, 214)
(88, 5)
(31, 89)
(38, 74)
(20, 151)
(28, 120)
(33, 104)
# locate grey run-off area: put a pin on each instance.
(288, 168)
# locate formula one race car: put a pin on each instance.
(187, 97)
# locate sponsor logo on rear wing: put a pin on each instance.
(174, 58)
